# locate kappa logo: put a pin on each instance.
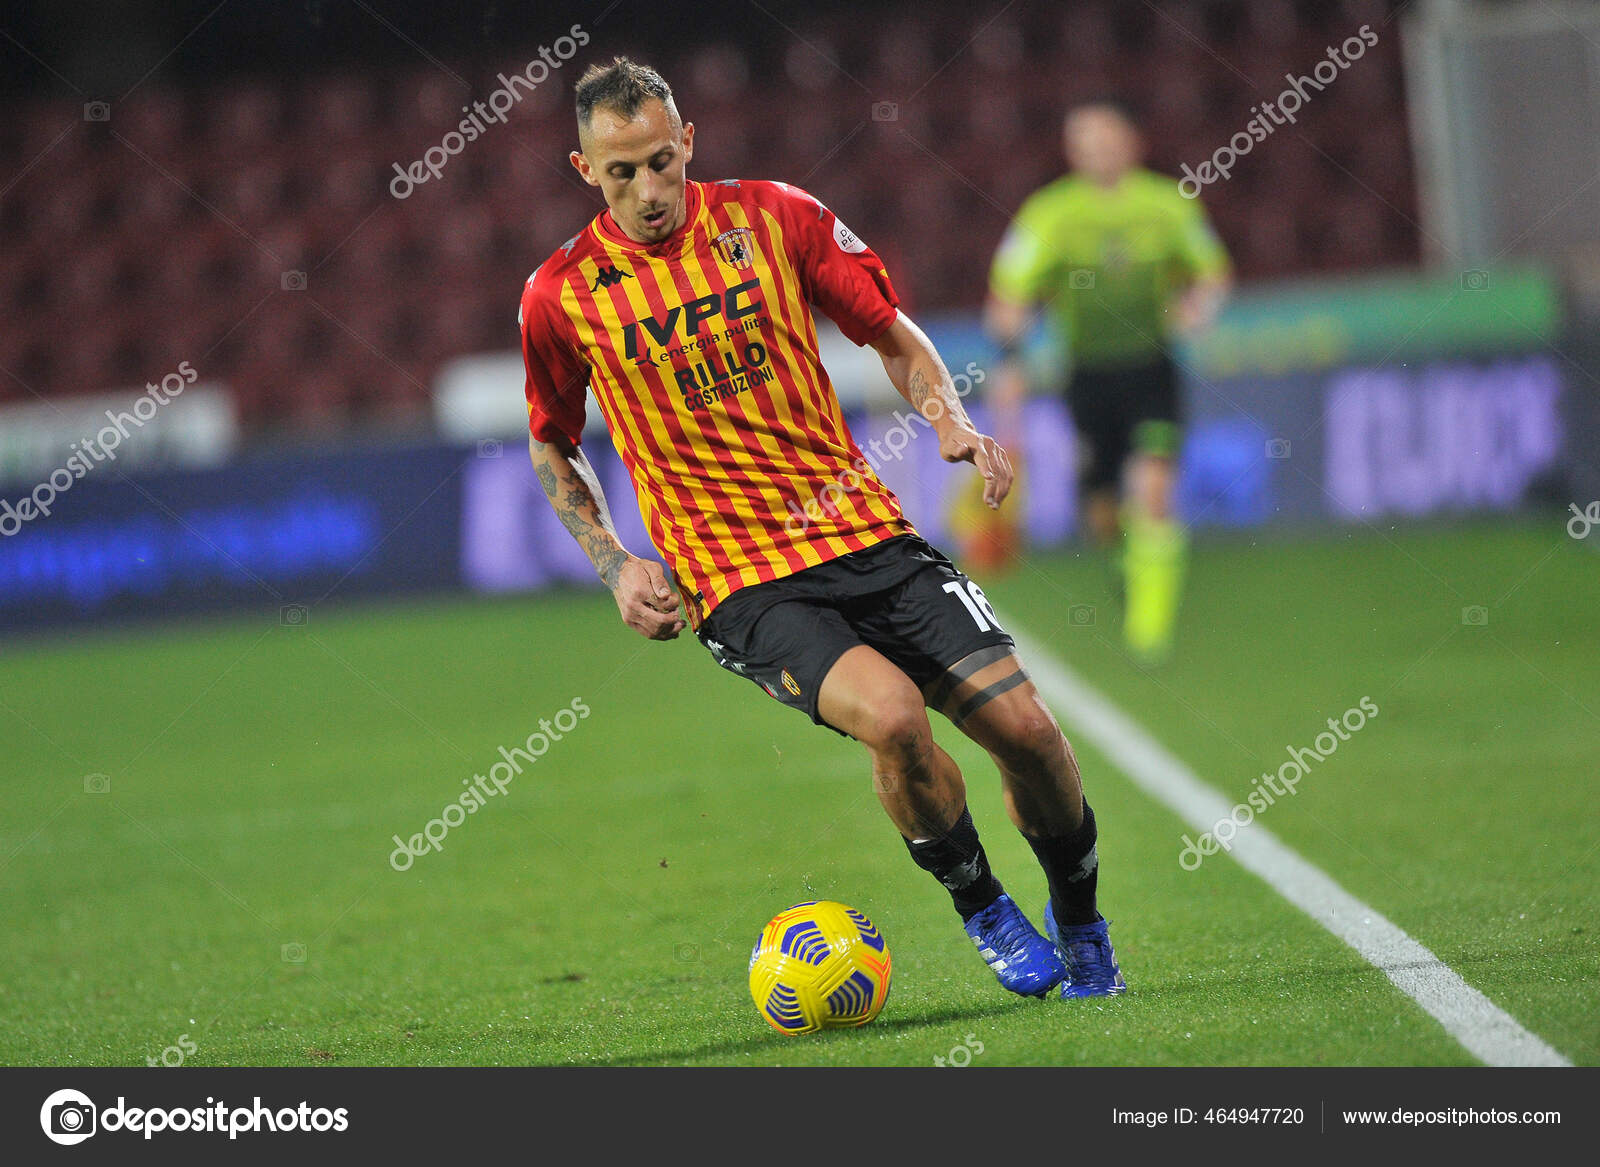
(609, 276)
(736, 247)
(961, 877)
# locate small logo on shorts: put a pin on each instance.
(789, 683)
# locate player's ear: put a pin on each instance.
(688, 142)
(581, 164)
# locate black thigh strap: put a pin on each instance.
(981, 698)
(964, 668)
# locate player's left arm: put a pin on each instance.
(1205, 263)
(844, 277)
(1201, 302)
(914, 365)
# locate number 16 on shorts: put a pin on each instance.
(975, 602)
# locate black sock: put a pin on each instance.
(1073, 869)
(956, 859)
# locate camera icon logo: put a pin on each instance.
(97, 111)
(294, 281)
(1476, 280)
(885, 111)
(491, 448)
(293, 953)
(686, 953)
(68, 1117)
(293, 615)
(1081, 615)
(1080, 279)
(1277, 448)
(96, 784)
(1475, 616)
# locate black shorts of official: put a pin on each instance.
(901, 597)
(1118, 411)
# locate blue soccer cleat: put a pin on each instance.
(1025, 962)
(1091, 965)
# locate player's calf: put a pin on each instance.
(1044, 793)
(919, 785)
(1021, 959)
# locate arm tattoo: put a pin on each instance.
(583, 515)
(917, 389)
(610, 565)
(920, 392)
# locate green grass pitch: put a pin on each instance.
(233, 886)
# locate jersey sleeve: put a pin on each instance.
(557, 379)
(1199, 250)
(840, 274)
(1022, 263)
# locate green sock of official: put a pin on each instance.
(1154, 551)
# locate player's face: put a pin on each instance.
(638, 164)
(1101, 144)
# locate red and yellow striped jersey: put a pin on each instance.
(702, 353)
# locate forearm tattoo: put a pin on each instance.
(917, 389)
(584, 516)
(920, 391)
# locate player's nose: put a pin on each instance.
(650, 189)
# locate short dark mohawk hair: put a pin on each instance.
(622, 87)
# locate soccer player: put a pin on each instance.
(687, 308)
(1109, 249)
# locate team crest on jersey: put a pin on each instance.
(736, 247)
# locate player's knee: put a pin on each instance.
(899, 729)
(1029, 740)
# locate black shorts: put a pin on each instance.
(901, 597)
(1118, 411)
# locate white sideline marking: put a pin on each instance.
(1487, 1031)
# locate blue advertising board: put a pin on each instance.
(279, 534)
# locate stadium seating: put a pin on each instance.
(165, 233)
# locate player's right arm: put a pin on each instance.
(557, 384)
(644, 597)
(1007, 323)
(1016, 280)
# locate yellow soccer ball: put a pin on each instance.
(819, 965)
